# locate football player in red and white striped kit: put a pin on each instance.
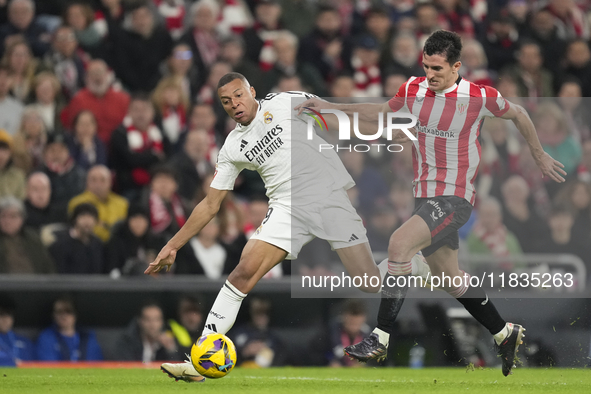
(446, 155)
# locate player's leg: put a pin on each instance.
(508, 336)
(258, 257)
(404, 244)
(358, 261)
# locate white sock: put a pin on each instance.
(420, 266)
(383, 335)
(504, 333)
(224, 310)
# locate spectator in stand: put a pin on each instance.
(12, 178)
(39, 211)
(22, 65)
(392, 84)
(490, 236)
(167, 210)
(77, 250)
(30, 141)
(288, 83)
(366, 67)
(427, 17)
(532, 79)
(285, 46)
(343, 86)
(139, 51)
(136, 146)
(576, 196)
(21, 22)
(501, 43)
(84, 144)
(235, 17)
(202, 37)
(257, 209)
(370, 183)
(112, 12)
(173, 12)
(562, 239)
(208, 92)
(259, 39)
(180, 66)
(233, 52)
(578, 63)
(65, 61)
(14, 348)
(325, 48)
(47, 101)
(80, 17)
(455, 16)
(171, 105)
(21, 250)
(64, 340)
(346, 329)
(67, 178)
(584, 169)
(379, 25)
(257, 344)
(574, 109)
(111, 207)
(132, 246)
(190, 324)
(556, 139)
(402, 200)
(10, 109)
(203, 117)
(145, 339)
(108, 105)
(474, 63)
(500, 156)
(519, 216)
(381, 223)
(543, 31)
(192, 163)
(403, 57)
(570, 20)
(204, 254)
(231, 235)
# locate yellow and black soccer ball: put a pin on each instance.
(213, 355)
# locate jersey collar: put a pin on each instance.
(452, 87)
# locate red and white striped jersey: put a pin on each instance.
(447, 153)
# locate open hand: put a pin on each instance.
(551, 168)
(164, 259)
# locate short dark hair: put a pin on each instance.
(229, 77)
(83, 209)
(141, 96)
(165, 170)
(446, 43)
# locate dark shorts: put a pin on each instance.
(444, 215)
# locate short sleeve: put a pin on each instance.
(398, 102)
(225, 172)
(495, 105)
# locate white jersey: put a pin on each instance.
(275, 144)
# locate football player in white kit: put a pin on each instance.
(307, 199)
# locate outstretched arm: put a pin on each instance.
(550, 167)
(201, 215)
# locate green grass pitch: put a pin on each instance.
(299, 380)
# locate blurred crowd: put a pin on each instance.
(110, 124)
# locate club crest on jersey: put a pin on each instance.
(268, 117)
(462, 108)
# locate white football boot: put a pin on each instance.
(182, 371)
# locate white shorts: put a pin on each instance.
(334, 220)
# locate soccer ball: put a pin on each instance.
(213, 355)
